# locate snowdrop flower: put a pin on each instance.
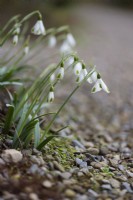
(16, 31)
(82, 75)
(15, 39)
(52, 78)
(51, 95)
(70, 39)
(52, 41)
(93, 77)
(61, 71)
(77, 68)
(70, 61)
(65, 47)
(39, 28)
(26, 49)
(100, 85)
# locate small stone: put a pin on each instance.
(85, 171)
(76, 143)
(80, 174)
(93, 151)
(33, 196)
(58, 166)
(121, 167)
(88, 144)
(78, 161)
(113, 162)
(69, 182)
(34, 169)
(92, 193)
(81, 163)
(47, 184)
(130, 174)
(104, 150)
(98, 165)
(127, 187)
(38, 160)
(114, 183)
(81, 197)
(122, 178)
(106, 187)
(66, 175)
(2, 162)
(27, 152)
(70, 193)
(12, 155)
(108, 138)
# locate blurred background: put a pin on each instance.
(104, 33)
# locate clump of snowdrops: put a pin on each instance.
(22, 121)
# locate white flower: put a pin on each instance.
(77, 68)
(39, 28)
(15, 39)
(51, 95)
(70, 39)
(52, 78)
(52, 41)
(26, 50)
(100, 85)
(70, 61)
(82, 75)
(93, 77)
(16, 31)
(65, 48)
(60, 74)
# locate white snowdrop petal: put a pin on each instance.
(15, 39)
(84, 71)
(42, 28)
(51, 96)
(93, 77)
(70, 61)
(26, 50)
(71, 39)
(52, 78)
(65, 47)
(52, 41)
(104, 86)
(96, 87)
(60, 74)
(16, 31)
(77, 68)
(39, 28)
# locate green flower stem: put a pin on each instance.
(60, 109)
(27, 17)
(38, 84)
(14, 18)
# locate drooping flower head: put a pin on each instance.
(51, 95)
(38, 28)
(61, 71)
(77, 68)
(92, 78)
(70, 61)
(83, 73)
(70, 39)
(15, 39)
(99, 85)
(26, 49)
(52, 41)
(52, 78)
(65, 48)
